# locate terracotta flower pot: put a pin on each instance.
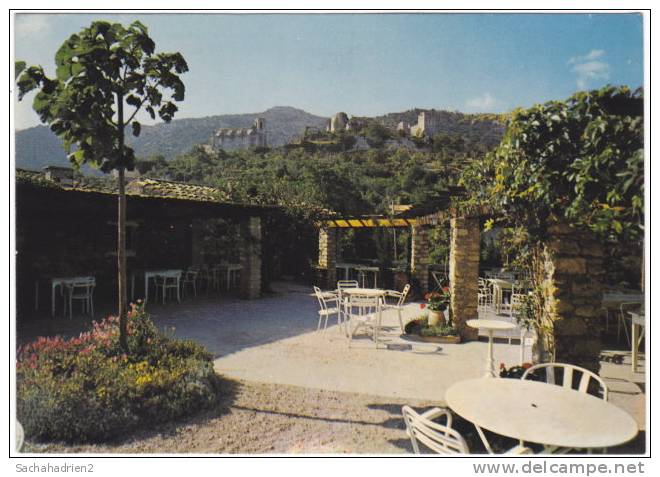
(436, 317)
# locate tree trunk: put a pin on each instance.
(121, 233)
(121, 262)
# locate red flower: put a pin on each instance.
(422, 306)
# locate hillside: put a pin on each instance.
(486, 129)
(37, 147)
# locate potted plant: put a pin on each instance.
(437, 303)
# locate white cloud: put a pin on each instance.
(589, 68)
(485, 103)
(592, 55)
(28, 24)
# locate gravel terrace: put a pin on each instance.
(255, 418)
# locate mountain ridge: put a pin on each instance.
(37, 147)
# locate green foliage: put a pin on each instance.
(376, 134)
(101, 71)
(87, 389)
(420, 326)
(581, 160)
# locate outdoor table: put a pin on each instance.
(62, 282)
(347, 268)
(490, 326)
(638, 321)
(499, 284)
(230, 268)
(533, 411)
(615, 299)
(363, 270)
(151, 274)
(369, 293)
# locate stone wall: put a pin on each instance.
(328, 255)
(251, 258)
(464, 273)
(419, 258)
(573, 272)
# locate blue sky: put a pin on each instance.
(369, 64)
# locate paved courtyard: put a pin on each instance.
(274, 340)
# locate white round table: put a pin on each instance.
(490, 326)
(369, 292)
(533, 411)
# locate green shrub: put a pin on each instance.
(86, 389)
(420, 326)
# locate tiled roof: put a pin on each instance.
(136, 187)
(175, 190)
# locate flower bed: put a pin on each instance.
(441, 333)
(86, 389)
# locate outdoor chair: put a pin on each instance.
(485, 295)
(364, 312)
(569, 376)
(347, 284)
(439, 278)
(190, 280)
(20, 436)
(440, 438)
(343, 299)
(169, 281)
(325, 311)
(83, 291)
(402, 295)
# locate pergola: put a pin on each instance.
(463, 257)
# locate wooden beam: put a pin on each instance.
(367, 223)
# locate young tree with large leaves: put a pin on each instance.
(106, 74)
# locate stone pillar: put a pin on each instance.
(464, 273)
(328, 255)
(251, 257)
(419, 257)
(573, 272)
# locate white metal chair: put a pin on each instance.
(440, 438)
(566, 377)
(438, 278)
(20, 436)
(402, 295)
(485, 295)
(343, 298)
(364, 312)
(190, 280)
(169, 281)
(568, 372)
(81, 290)
(325, 311)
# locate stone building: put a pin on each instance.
(428, 123)
(338, 122)
(241, 138)
(66, 226)
(404, 127)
